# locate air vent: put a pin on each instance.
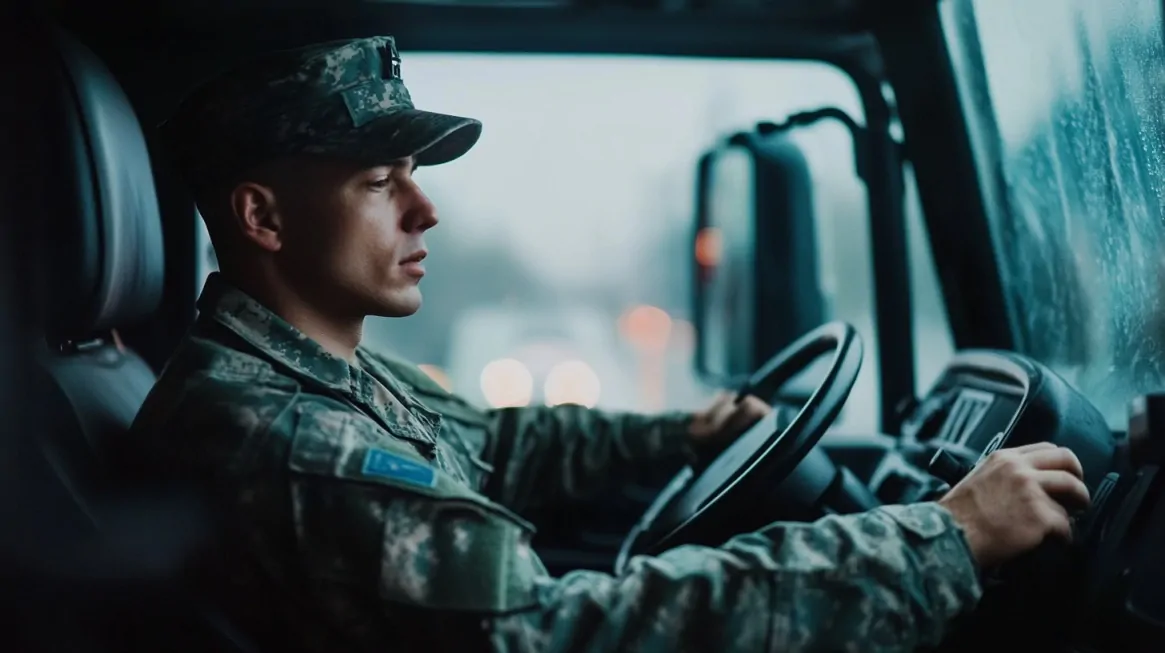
(967, 412)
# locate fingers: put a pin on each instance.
(752, 408)
(1055, 458)
(1056, 520)
(727, 416)
(1043, 455)
(1064, 487)
(724, 413)
(1035, 446)
(724, 398)
(718, 411)
(747, 412)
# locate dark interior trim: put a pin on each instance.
(937, 142)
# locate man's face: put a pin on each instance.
(353, 238)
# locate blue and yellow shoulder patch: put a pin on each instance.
(385, 464)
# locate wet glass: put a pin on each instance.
(1067, 107)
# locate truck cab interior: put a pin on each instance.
(928, 225)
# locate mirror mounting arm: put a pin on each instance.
(806, 118)
(878, 159)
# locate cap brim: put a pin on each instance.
(432, 138)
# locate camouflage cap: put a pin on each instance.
(340, 98)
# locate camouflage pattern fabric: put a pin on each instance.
(343, 98)
(531, 456)
(360, 522)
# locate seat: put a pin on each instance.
(108, 565)
(106, 265)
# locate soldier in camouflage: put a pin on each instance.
(371, 510)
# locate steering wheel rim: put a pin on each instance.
(763, 450)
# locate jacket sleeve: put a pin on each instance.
(381, 534)
(545, 454)
(540, 455)
(889, 580)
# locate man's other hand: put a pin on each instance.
(1016, 499)
(716, 427)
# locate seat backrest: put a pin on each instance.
(116, 553)
(105, 256)
(102, 268)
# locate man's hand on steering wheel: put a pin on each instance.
(692, 507)
(714, 428)
(1016, 498)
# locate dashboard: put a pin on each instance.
(966, 411)
(983, 401)
(1102, 591)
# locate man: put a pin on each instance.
(363, 519)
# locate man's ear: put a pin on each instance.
(256, 215)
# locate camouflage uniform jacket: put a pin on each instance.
(359, 523)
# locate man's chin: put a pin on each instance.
(401, 304)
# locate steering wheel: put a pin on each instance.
(692, 504)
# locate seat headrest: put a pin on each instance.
(105, 263)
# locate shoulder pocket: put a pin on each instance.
(350, 447)
(459, 555)
(374, 508)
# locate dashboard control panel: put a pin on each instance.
(965, 412)
(987, 400)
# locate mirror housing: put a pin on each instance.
(757, 285)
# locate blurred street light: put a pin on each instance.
(507, 383)
(572, 382)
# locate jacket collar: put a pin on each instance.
(378, 395)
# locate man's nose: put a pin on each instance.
(422, 214)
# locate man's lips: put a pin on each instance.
(412, 264)
(415, 257)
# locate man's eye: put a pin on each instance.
(380, 184)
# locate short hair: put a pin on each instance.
(212, 199)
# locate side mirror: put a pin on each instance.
(757, 282)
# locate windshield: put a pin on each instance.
(1065, 99)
